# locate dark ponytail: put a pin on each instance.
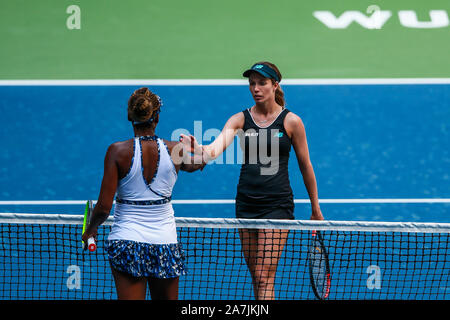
(279, 96)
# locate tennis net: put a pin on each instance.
(41, 258)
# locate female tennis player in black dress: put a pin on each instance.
(267, 131)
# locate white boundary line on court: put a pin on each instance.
(221, 82)
(229, 201)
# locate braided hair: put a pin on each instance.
(143, 107)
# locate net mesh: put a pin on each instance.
(41, 258)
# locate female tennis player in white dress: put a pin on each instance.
(142, 246)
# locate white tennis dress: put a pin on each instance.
(143, 211)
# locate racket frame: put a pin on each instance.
(87, 218)
(318, 239)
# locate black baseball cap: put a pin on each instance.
(263, 70)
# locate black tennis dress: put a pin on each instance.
(264, 190)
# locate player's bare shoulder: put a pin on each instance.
(121, 149)
(293, 124)
(236, 121)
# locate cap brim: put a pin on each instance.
(249, 71)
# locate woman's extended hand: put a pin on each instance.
(191, 144)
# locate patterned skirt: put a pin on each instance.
(146, 260)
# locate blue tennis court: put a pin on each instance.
(380, 153)
(366, 142)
